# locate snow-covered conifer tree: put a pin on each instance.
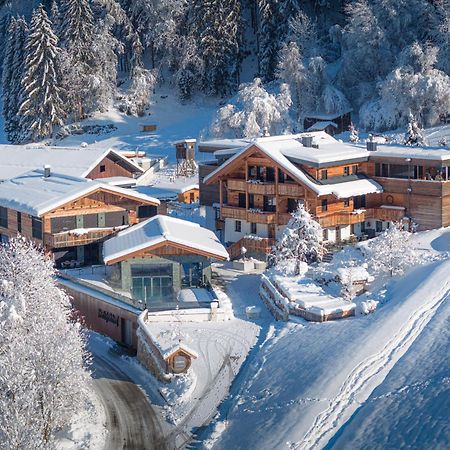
(42, 107)
(353, 133)
(301, 241)
(7, 74)
(414, 135)
(268, 39)
(391, 252)
(43, 376)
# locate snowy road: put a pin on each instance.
(132, 423)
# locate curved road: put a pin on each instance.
(132, 423)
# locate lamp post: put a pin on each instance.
(409, 189)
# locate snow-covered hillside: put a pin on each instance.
(312, 385)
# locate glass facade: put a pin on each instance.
(191, 274)
(152, 282)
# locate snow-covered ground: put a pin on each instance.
(311, 384)
(174, 121)
(87, 430)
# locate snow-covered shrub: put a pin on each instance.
(414, 135)
(391, 252)
(301, 242)
(43, 379)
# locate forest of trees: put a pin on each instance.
(385, 59)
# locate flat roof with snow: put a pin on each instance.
(406, 151)
(16, 160)
(163, 230)
(33, 193)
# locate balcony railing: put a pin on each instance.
(291, 190)
(233, 212)
(341, 218)
(261, 188)
(386, 213)
(79, 237)
(265, 187)
(261, 217)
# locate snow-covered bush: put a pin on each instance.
(301, 241)
(414, 135)
(255, 110)
(391, 252)
(43, 376)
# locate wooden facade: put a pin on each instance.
(88, 219)
(256, 190)
(111, 166)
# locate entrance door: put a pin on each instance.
(127, 332)
(271, 231)
(338, 234)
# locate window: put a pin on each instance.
(346, 171)
(325, 234)
(292, 204)
(146, 211)
(379, 226)
(241, 200)
(237, 226)
(385, 170)
(3, 217)
(269, 204)
(152, 282)
(102, 168)
(377, 169)
(399, 171)
(191, 197)
(19, 222)
(36, 227)
(346, 203)
(253, 228)
(324, 174)
(191, 274)
(281, 176)
(251, 201)
(270, 174)
(180, 363)
(418, 172)
(359, 202)
(354, 169)
(324, 205)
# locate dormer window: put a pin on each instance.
(324, 174)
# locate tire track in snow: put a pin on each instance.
(328, 421)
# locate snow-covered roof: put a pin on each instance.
(405, 151)
(358, 273)
(319, 126)
(287, 150)
(326, 116)
(118, 181)
(34, 194)
(16, 160)
(161, 229)
(225, 143)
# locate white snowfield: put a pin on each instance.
(307, 380)
(371, 371)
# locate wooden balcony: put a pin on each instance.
(340, 218)
(68, 239)
(261, 217)
(236, 185)
(233, 212)
(261, 188)
(386, 213)
(259, 246)
(291, 190)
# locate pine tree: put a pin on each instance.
(77, 30)
(268, 39)
(414, 135)
(301, 241)
(42, 107)
(15, 89)
(353, 134)
(7, 74)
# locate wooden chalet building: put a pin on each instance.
(90, 161)
(69, 216)
(156, 259)
(351, 190)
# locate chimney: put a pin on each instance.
(371, 145)
(307, 141)
(47, 171)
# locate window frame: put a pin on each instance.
(238, 226)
